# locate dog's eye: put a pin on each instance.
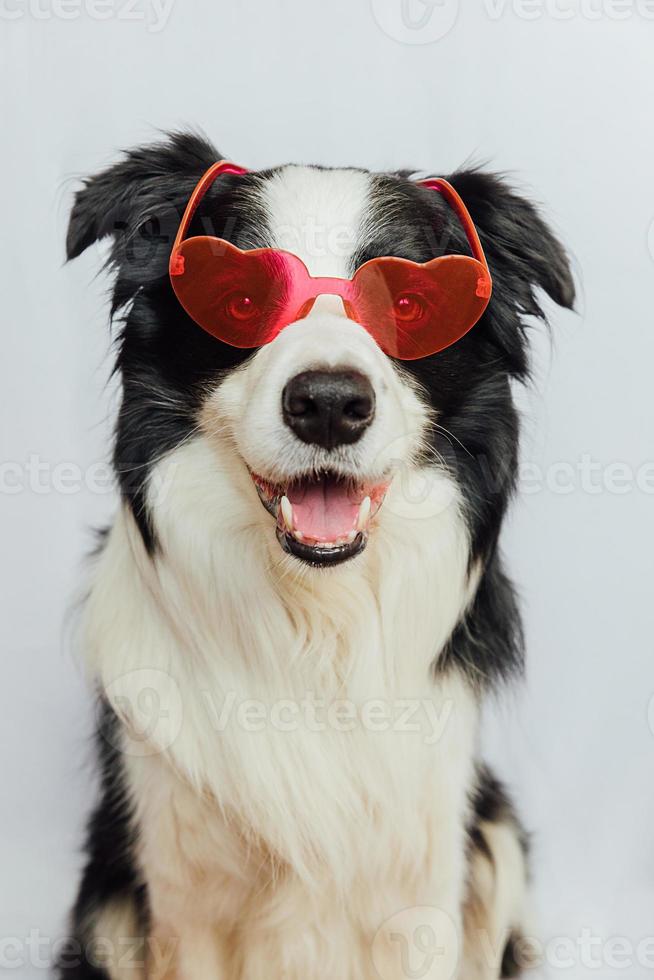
(240, 306)
(408, 307)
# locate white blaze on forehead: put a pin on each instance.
(317, 215)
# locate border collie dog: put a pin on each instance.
(291, 783)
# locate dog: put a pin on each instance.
(296, 615)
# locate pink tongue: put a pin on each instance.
(323, 511)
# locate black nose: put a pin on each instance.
(328, 408)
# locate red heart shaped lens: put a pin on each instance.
(415, 310)
(239, 297)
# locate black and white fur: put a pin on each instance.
(281, 853)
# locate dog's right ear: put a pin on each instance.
(121, 198)
(139, 203)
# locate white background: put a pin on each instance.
(561, 95)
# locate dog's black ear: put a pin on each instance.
(139, 202)
(518, 243)
(524, 256)
(115, 201)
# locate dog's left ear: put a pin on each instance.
(516, 240)
(523, 253)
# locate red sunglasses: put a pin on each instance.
(245, 298)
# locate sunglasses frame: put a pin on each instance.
(314, 286)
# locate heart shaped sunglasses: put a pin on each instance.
(246, 297)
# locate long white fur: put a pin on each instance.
(275, 852)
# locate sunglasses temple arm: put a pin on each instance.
(455, 201)
(201, 188)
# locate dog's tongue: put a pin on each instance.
(324, 510)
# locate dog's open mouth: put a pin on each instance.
(323, 519)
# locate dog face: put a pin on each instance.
(319, 427)
(320, 416)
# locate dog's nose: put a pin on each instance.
(328, 408)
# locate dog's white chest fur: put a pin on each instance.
(304, 769)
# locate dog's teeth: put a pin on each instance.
(287, 512)
(351, 536)
(364, 514)
(298, 535)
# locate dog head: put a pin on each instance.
(319, 426)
